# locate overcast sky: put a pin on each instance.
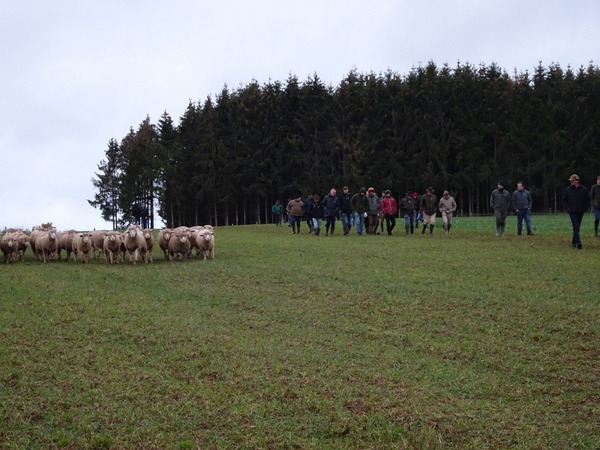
(74, 74)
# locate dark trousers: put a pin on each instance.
(523, 214)
(576, 218)
(390, 222)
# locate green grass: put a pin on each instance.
(464, 340)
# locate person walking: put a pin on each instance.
(316, 212)
(389, 209)
(447, 207)
(346, 210)
(307, 208)
(575, 201)
(295, 210)
(373, 210)
(331, 208)
(429, 205)
(359, 206)
(277, 213)
(418, 213)
(407, 210)
(500, 202)
(521, 203)
(595, 200)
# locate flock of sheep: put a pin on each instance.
(113, 246)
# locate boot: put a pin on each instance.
(424, 228)
(449, 226)
(412, 229)
(332, 228)
(406, 227)
(431, 228)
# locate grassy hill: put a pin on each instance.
(294, 341)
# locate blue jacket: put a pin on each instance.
(331, 205)
(521, 200)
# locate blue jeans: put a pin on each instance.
(316, 223)
(409, 219)
(346, 222)
(576, 219)
(523, 214)
(358, 222)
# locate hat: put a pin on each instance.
(574, 177)
(415, 194)
(501, 182)
(362, 189)
(430, 189)
(371, 189)
(410, 193)
(387, 192)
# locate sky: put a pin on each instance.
(75, 74)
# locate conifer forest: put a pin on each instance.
(229, 157)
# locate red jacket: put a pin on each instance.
(389, 206)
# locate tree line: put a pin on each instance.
(461, 129)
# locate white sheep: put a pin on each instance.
(163, 241)
(206, 243)
(149, 238)
(65, 242)
(46, 244)
(82, 244)
(9, 246)
(135, 244)
(112, 246)
(179, 246)
(97, 242)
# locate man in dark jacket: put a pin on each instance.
(500, 202)
(346, 210)
(575, 201)
(595, 199)
(331, 208)
(407, 210)
(429, 203)
(359, 206)
(521, 203)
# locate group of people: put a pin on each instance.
(365, 211)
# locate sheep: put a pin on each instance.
(163, 241)
(9, 246)
(65, 241)
(135, 244)
(179, 246)
(206, 243)
(149, 243)
(97, 242)
(46, 244)
(82, 244)
(112, 246)
(193, 233)
(32, 241)
(22, 243)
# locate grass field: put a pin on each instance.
(465, 340)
